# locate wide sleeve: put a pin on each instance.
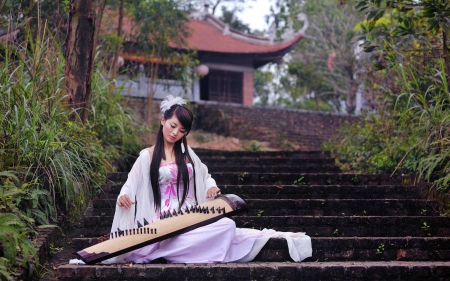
(137, 179)
(203, 179)
(136, 186)
(208, 180)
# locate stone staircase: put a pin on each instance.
(363, 227)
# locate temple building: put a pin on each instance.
(226, 57)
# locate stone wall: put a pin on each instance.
(282, 127)
(305, 129)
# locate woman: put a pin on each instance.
(170, 176)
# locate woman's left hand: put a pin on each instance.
(212, 192)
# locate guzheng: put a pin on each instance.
(170, 224)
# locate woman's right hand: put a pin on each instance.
(125, 201)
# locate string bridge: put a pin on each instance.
(133, 231)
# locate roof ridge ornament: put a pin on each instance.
(201, 15)
(226, 29)
(289, 33)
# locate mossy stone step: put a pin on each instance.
(293, 178)
(321, 226)
(346, 249)
(317, 207)
(304, 178)
(302, 191)
(241, 161)
(307, 168)
(261, 271)
(207, 153)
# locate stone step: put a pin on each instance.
(207, 153)
(317, 207)
(213, 155)
(346, 249)
(261, 271)
(292, 178)
(303, 191)
(243, 161)
(303, 179)
(307, 168)
(321, 226)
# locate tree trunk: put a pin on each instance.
(151, 92)
(351, 98)
(351, 93)
(114, 65)
(80, 56)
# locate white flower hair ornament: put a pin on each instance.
(169, 101)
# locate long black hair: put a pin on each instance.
(186, 118)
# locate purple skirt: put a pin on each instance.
(218, 242)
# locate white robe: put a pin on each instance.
(138, 187)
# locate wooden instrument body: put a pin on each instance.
(181, 222)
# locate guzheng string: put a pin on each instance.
(164, 215)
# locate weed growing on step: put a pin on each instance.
(54, 249)
(336, 232)
(355, 179)
(423, 212)
(300, 181)
(199, 136)
(242, 176)
(425, 226)
(260, 213)
(254, 146)
(380, 249)
(329, 181)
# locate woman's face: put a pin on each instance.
(172, 130)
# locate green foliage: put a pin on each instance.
(5, 273)
(116, 125)
(300, 181)
(429, 110)
(425, 226)
(413, 26)
(30, 204)
(39, 140)
(229, 17)
(159, 22)
(158, 26)
(13, 237)
(410, 131)
(200, 136)
(371, 145)
(380, 249)
(324, 70)
(262, 85)
(254, 146)
(49, 161)
(310, 81)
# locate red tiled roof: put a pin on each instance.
(206, 37)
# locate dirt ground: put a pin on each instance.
(200, 139)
